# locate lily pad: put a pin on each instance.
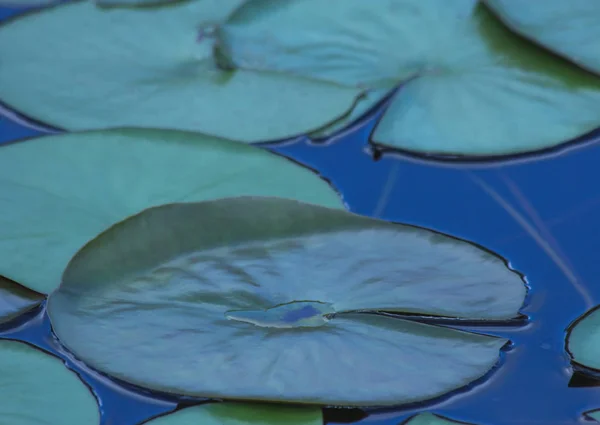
(241, 414)
(368, 101)
(139, 3)
(469, 85)
(431, 419)
(261, 298)
(594, 414)
(569, 28)
(583, 340)
(16, 299)
(60, 191)
(153, 68)
(39, 389)
(26, 3)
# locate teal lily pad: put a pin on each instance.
(594, 414)
(26, 3)
(153, 68)
(468, 85)
(60, 191)
(241, 414)
(365, 103)
(16, 299)
(583, 340)
(39, 389)
(568, 28)
(262, 298)
(431, 419)
(142, 3)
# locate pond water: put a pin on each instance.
(541, 212)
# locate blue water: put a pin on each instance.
(541, 212)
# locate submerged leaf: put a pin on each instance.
(241, 414)
(431, 419)
(16, 299)
(60, 191)
(470, 86)
(37, 389)
(267, 299)
(569, 28)
(151, 67)
(583, 340)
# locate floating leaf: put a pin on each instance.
(16, 299)
(470, 86)
(364, 104)
(241, 414)
(583, 340)
(142, 3)
(569, 28)
(60, 191)
(431, 419)
(26, 3)
(266, 299)
(39, 389)
(350, 42)
(152, 68)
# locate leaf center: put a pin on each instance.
(296, 314)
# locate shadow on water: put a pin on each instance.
(538, 211)
(585, 378)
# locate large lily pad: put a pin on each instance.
(16, 299)
(38, 389)
(569, 28)
(583, 340)
(268, 299)
(152, 67)
(470, 86)
(241, 414)
(60, 191)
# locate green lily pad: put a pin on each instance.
(60, 191)
(39, 389)
(153, 68)
(271, 299)
(569, 28)
(241, 414)
(470, 86)
(16, 299)
(583, 340)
